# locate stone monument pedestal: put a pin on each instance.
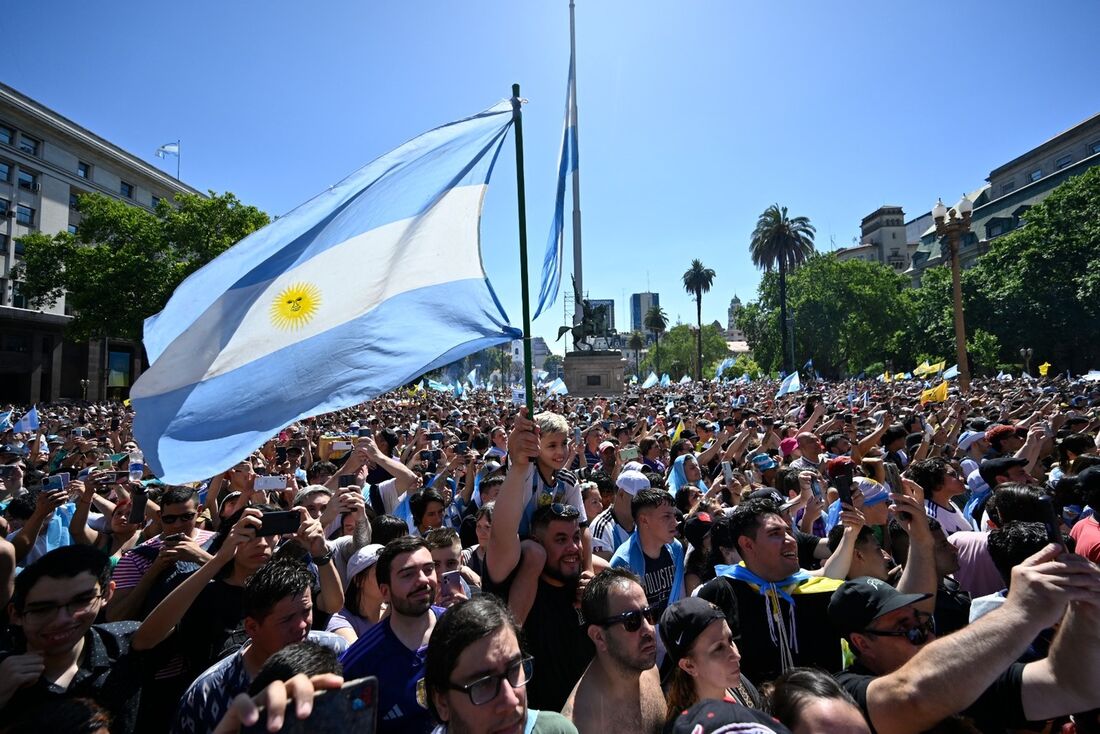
(593, 373)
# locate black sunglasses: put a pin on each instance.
(632, 620)
(916, 635)
(564, 512)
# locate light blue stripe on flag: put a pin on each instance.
(357, 291)
(567, 163)
(28, 423)
(790, 384)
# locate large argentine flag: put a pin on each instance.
(359, 290)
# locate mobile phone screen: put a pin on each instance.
(346, 480)
(727, 473)
(351, 708)
(279, 523)
(264, 484)
(137, 506)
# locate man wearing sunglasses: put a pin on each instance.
(476, 674)
(147, 573)
(907, 680)
(621, 690)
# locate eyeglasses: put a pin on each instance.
(48, 612)
(173, 519)
(632, 620)
(484, 690)
(926, 625)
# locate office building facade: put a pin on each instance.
(640, 303)
(46, 162)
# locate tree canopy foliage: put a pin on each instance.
(678, 352)
(124, 262)
(1037, 287)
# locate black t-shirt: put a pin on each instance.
(659, 573)
(816, 643)
(109, 673)
(557, 639)
(807, 547)
(999, 708)
(213, 623)
(952, 607)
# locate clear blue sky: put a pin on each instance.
(694, 116)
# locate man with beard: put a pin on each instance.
(394, 649)
(476, 674)
(552, 565)
(621, 690)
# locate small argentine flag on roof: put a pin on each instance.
(359, 290)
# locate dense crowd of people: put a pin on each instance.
(843, 559)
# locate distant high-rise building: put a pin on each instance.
(606, 324)
(732, 332)
(640, 303)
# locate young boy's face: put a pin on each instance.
(552, 453)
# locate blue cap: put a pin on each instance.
(763, 462)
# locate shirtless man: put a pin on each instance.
(621, 689)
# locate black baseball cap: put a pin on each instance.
(861, 601)
(712, 715)
(990, 469)
(696, 528)
(683, 621)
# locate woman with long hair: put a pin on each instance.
(362, 598)
(700, 644)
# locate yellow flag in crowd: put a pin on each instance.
(923, 369)
(677, 432)
(935, 395)
(1044, 368)
(936, 368)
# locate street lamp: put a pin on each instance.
(953, 224)
(84, 389)
(1026, 355)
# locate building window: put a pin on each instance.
(20, 248)
(7, 135)
(1007, 187)
(1095, 147)
(18, 300)
(28, 180)
(24, 215)
(29, 145)
(154, 202)
(4, 204)
(5, 172)
(73, 199)
(1035, 175)
(84, 170)
(1063, 162)
(72, 229)
(126, 189)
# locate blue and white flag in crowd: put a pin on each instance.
(557, 387)
(685, 380)
(809, 366)
(665, 380)
(541, 374)
(374, 281)
(790, 384)
(951, 372)
(866, 399)
(471, 377)
(724, 365)
(650, 381)
(567, 163)
(5, 421)
(28, 423)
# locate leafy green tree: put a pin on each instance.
(697, 280)
(984, 348)
(679, 351)
(743, 364)
(656, 321)
(124, 262)
(1040, 285)
(553, 364)
(781, 243)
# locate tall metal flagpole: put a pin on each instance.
(578, 313)
(521, 195)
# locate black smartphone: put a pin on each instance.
(279, 523)
(114, 424)
(365, 433)
(426, 455)
(352, 707)
(137, 505)
(435, 436)
(843, 484)
(750, 423)
(346, 480)
(1050, 520)
(462, 447)
(280, 454)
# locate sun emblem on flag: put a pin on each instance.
(295, 306)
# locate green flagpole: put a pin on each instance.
(528, 382)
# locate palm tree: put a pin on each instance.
(656, 321)
(636, 343)
(697, 281)
(781, 243)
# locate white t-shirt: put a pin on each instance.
(951, 518)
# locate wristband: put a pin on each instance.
(322, 560)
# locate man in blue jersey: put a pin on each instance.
(394, 649)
